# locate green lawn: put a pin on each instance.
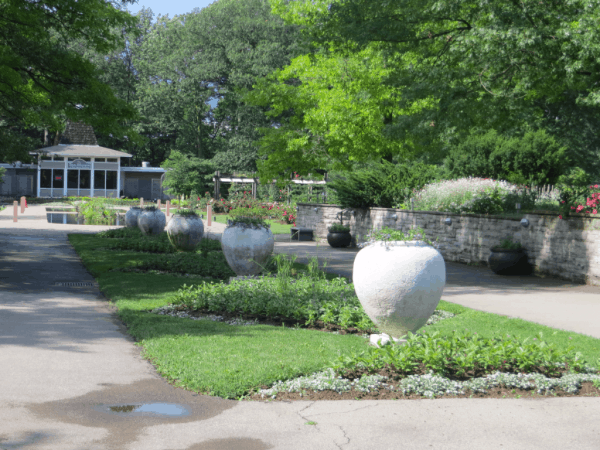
(201, 355)
(231, 361)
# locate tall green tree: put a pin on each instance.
(340, 107)
(474, 65)
(190, 60)
(187, 174)
(42, 79)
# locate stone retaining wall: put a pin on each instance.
(567, 249)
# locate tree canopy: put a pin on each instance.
(43, 80)
(472, 65)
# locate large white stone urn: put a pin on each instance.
(152, 221)
(399, 284)
(131, 216)
(185, 231)
(247, 247)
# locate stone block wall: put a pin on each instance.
(568, 249)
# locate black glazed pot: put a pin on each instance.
(339, 238)
(505, 261)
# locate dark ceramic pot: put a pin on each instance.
(505, 261)
(339, 238)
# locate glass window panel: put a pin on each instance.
(73, 176)
(100, 159)
(86, 159)
(111, 159)
(111, 179)
(99, 179)
(58, 181)
(46, 158)
(46, 178)
(84, 179)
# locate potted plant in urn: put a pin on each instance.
(509, 258)
(339, 235)
(247, 243)
(152, 221)
(131, 216)
(185, 230)
(399, 279)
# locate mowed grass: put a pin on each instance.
(201, 355)
(494, 325)
(232, 361)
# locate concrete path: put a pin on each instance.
(64, 355)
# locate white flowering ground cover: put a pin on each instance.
(430, 385)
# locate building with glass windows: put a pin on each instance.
(79, 167)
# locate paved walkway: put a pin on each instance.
(63, 353)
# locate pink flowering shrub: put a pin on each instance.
(592, 204)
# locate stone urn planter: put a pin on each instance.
(339, 239)
(247, 247)
(185, 231)
(339, 236)
(131, 216)
(509, 261)
(399, 284)
(152, 221)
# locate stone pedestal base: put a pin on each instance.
(381, 340)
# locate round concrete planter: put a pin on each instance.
(339, 238)
(152, 222)
(185, 232)
(246, 248)
(504, 261)
(399, 284)
(131, 216)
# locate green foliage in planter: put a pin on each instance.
(509, 244)
(465, 355)
(339, 228)
(150, 208)
(387, 234)
(247, 222)
(186, 212)
(254, 211)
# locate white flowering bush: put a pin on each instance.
(482, 196)
(479, 195)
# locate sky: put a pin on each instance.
(170, 7)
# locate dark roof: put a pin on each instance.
(78, 133)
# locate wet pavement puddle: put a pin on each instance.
(146, 409)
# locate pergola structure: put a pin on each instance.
(78, 166)
(220, 178)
